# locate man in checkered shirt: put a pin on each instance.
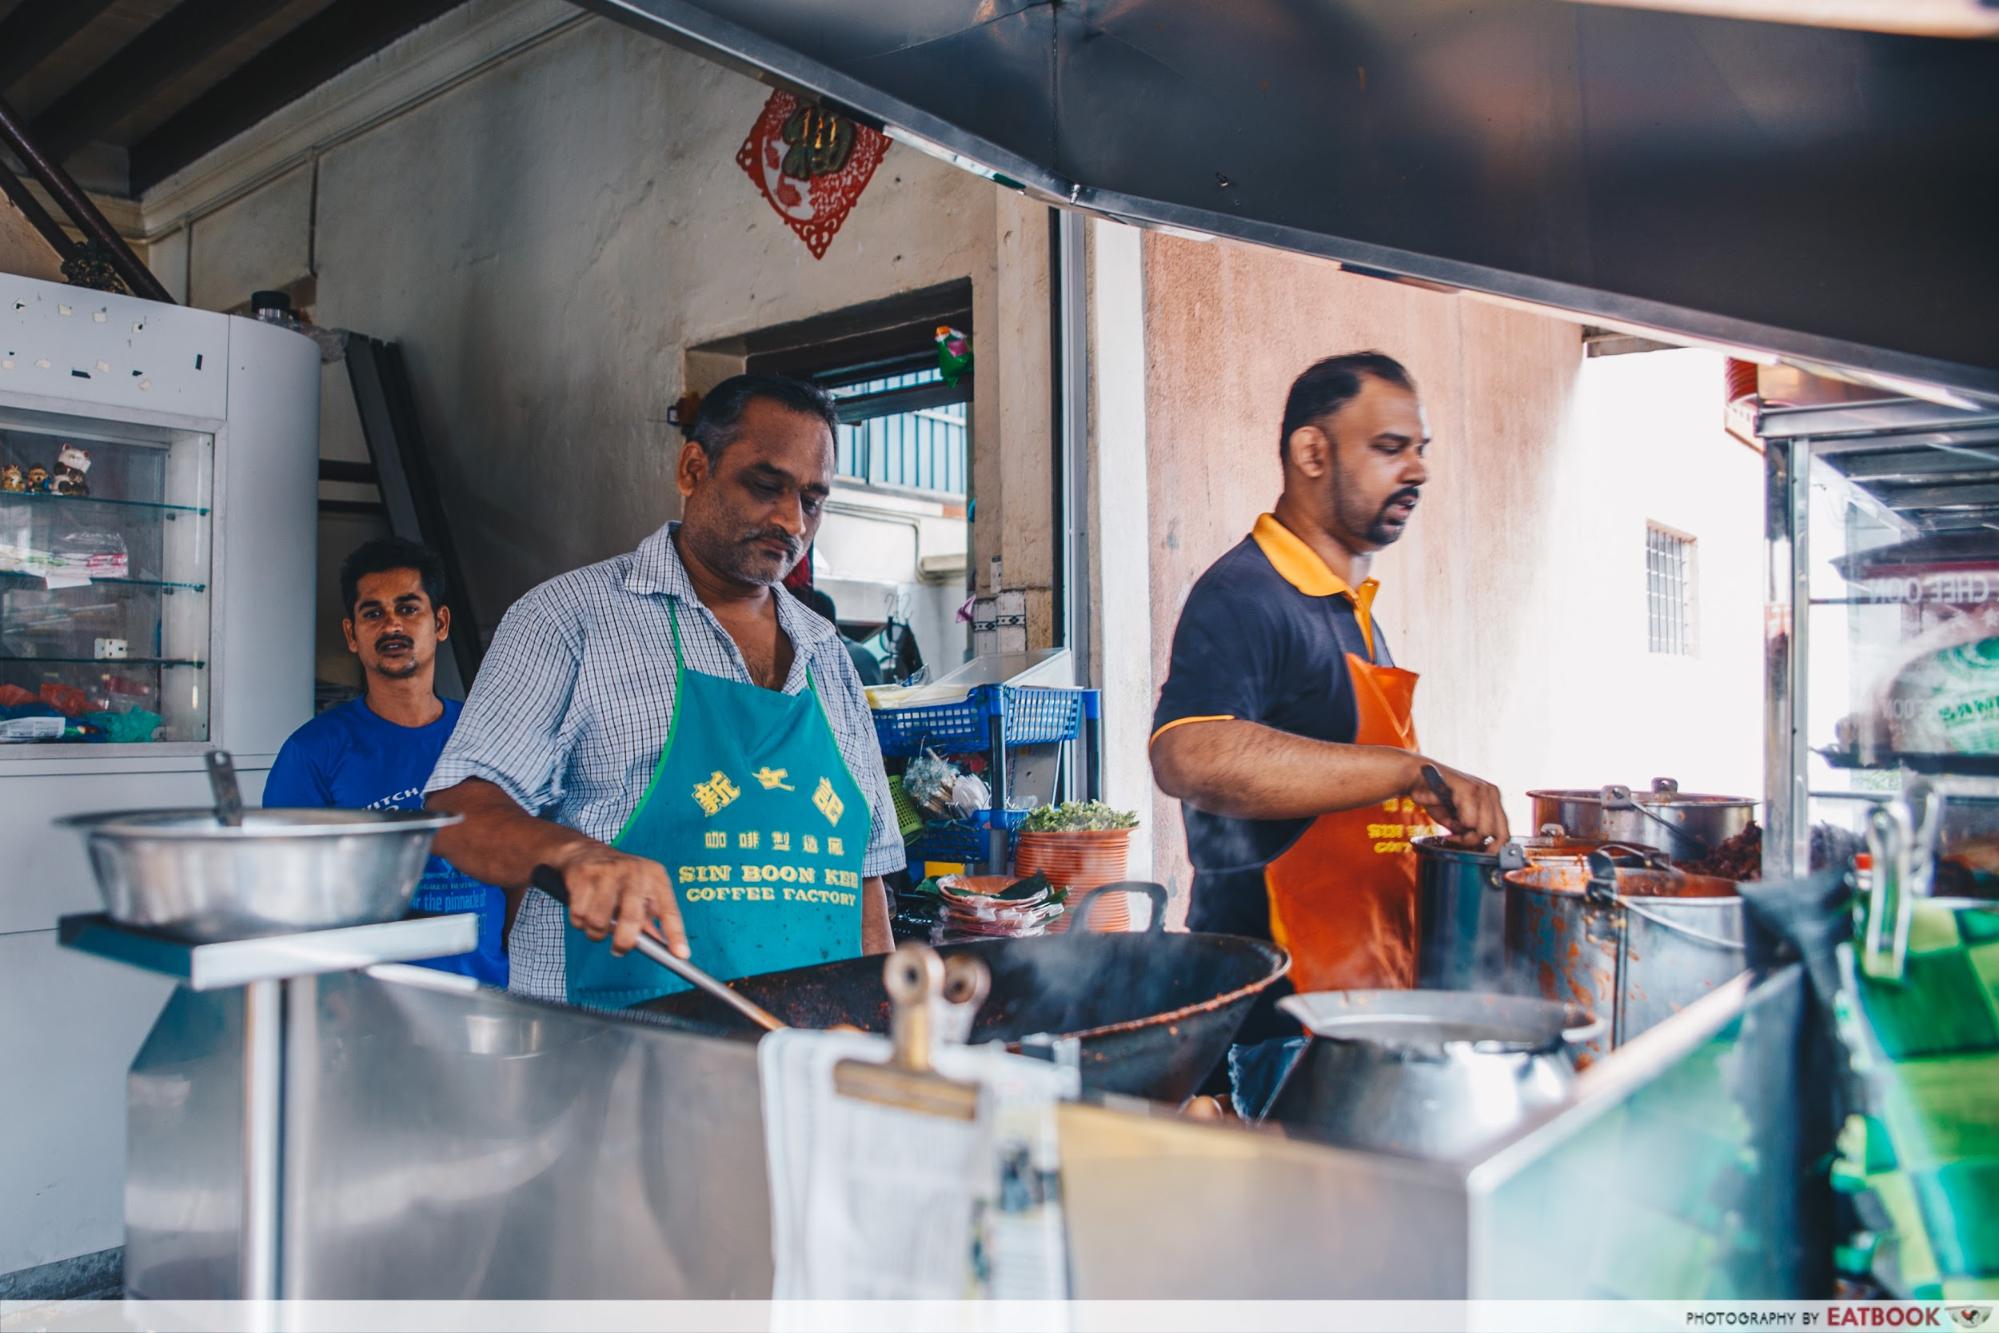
(574, 702)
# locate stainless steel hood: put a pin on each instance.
(1824, 194)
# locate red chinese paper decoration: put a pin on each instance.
(790, 135)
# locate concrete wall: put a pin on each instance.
(1519, 591)
(546, 238)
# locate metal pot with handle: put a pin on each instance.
(1687, 826)
(1461, 906)
(1432, 1074)
(1634, 943)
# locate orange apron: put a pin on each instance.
(1343, 897)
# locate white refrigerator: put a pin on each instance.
(158, 498)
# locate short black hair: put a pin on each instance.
(1328, 385)
(387, 553)
(819, 600)
(720, 417)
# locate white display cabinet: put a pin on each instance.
(167, 610)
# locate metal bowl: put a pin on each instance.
(1435, 1074)
(184, 873)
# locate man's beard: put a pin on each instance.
(741, 558)
(1376, 528)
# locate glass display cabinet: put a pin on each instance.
(104, 580)
(1882, 628)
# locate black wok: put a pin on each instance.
(1154, 1013)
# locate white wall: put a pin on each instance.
(1647, 444)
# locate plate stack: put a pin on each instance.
(994, 906)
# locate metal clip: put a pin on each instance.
(1601, 891)
(918, 991)
(1902, 838)
(1885, 945)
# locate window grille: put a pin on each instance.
(908, 429)
(1669, 568)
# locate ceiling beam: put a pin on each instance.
(37, 29)
(295, 64)
(187, 33)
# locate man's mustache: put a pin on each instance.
(393, 641)
(791, 544)
(1408, 494)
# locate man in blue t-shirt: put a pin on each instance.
(376, 752)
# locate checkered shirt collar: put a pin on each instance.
(656, 569)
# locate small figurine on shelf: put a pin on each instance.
(38, 480)
(11, 479)
(954, 353)
(71, 464)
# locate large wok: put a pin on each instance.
(1153, 1012)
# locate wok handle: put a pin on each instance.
(1588, 1031)
(1154, 893)
(549, 880)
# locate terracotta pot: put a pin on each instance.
(1078, 861)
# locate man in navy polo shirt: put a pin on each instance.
(376, 752)
(1285, 727)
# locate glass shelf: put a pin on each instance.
(111, 663)
(37, 497)
(105, 597)
(165, 584)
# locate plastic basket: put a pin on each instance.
(967, 841)
(908, 821)
(1033, 715)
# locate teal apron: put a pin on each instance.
(762, 830)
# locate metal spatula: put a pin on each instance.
(549, 880)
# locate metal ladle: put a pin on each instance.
(549, 880)
(227, 791)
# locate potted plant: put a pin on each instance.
(1079, 845)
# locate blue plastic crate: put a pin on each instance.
(1034, 715)
(967, 841)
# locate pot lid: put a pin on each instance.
(1654, 795)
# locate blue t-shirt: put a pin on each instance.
(352, 759)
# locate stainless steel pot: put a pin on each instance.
(1635, 945)
(1685, 825)
(281, 871)
(1461, 907)
(1425, 1073)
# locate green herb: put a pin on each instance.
(1077, 816)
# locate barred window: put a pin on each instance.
(1669, 595)
(907, 429)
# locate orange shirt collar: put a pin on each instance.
(1304, 570)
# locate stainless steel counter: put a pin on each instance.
(474, 1145)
